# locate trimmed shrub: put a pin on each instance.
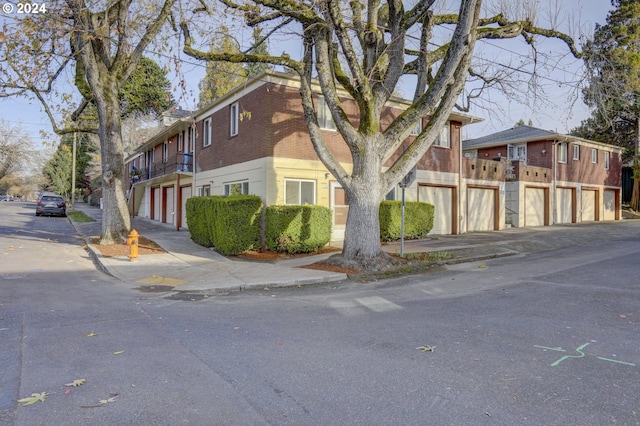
(297, 229)
(418, 220)
(230, 224)
(197, 208)
(236, 223)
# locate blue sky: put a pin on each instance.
(561, 115)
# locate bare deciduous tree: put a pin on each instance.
(365, 49)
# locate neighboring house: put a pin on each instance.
(553, 178)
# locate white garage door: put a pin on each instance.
(588, 205)
(534, 206)
(564, 205)
(480, 209)
(156, 203)
(185, 194)
(442, 200)
(609, 204)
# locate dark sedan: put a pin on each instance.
(51, 205)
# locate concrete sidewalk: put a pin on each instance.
(189, 267)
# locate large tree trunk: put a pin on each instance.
(362, 247)
(115, 216)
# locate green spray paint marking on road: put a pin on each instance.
(616, 361)
(578, 349)
(582, 354)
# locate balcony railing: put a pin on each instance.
(179, 163)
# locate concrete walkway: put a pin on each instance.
(189, 267)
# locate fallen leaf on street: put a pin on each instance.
(92, 334)
(35, 397)
(75, 383)
(106, 401)
(426, 348)
(118, 352)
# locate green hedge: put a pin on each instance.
(197, 209)
(418, 220)
(297, 229)
(230, 224)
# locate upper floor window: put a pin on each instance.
(417, 129)
(606, 160)
(444, 137)
(576, 151)
(234, 119)
(325, 120)
(594, 156)
(236, 188)
(517, 152)
(206, 132)
(191, 141)
(562, 152)
(298, 191)
(165, 151)
(180, 141)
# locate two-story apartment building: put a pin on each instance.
(553, 178)
(254, 140)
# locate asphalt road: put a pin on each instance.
(549, 338)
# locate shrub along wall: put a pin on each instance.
(230, 224)
(197, 208)
(418, 220)
(297, 229)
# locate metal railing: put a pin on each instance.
(179, 163)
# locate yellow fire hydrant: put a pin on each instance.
(133, 245)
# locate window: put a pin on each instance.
(297, 191)
(180, 141)
(206, 132)
(606, 160)
(325, 120)
(417, 129)
(236, 188)
(165, 151)
(562, 152)
(517, 152)
(576, 151)
(191, 144)
(444, 138)
(204, 191)
(234, 120)
(471, 154)
(594, 156)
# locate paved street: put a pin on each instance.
(548, 337)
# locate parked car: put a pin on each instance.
(6, 198)
(51, 204)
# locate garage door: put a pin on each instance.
(534, 206)
(185, 194)
(609, 204)
(480, 209)
(588, 205)
(564, 205)
(169, 204)
(442, 200)
(156, 203)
